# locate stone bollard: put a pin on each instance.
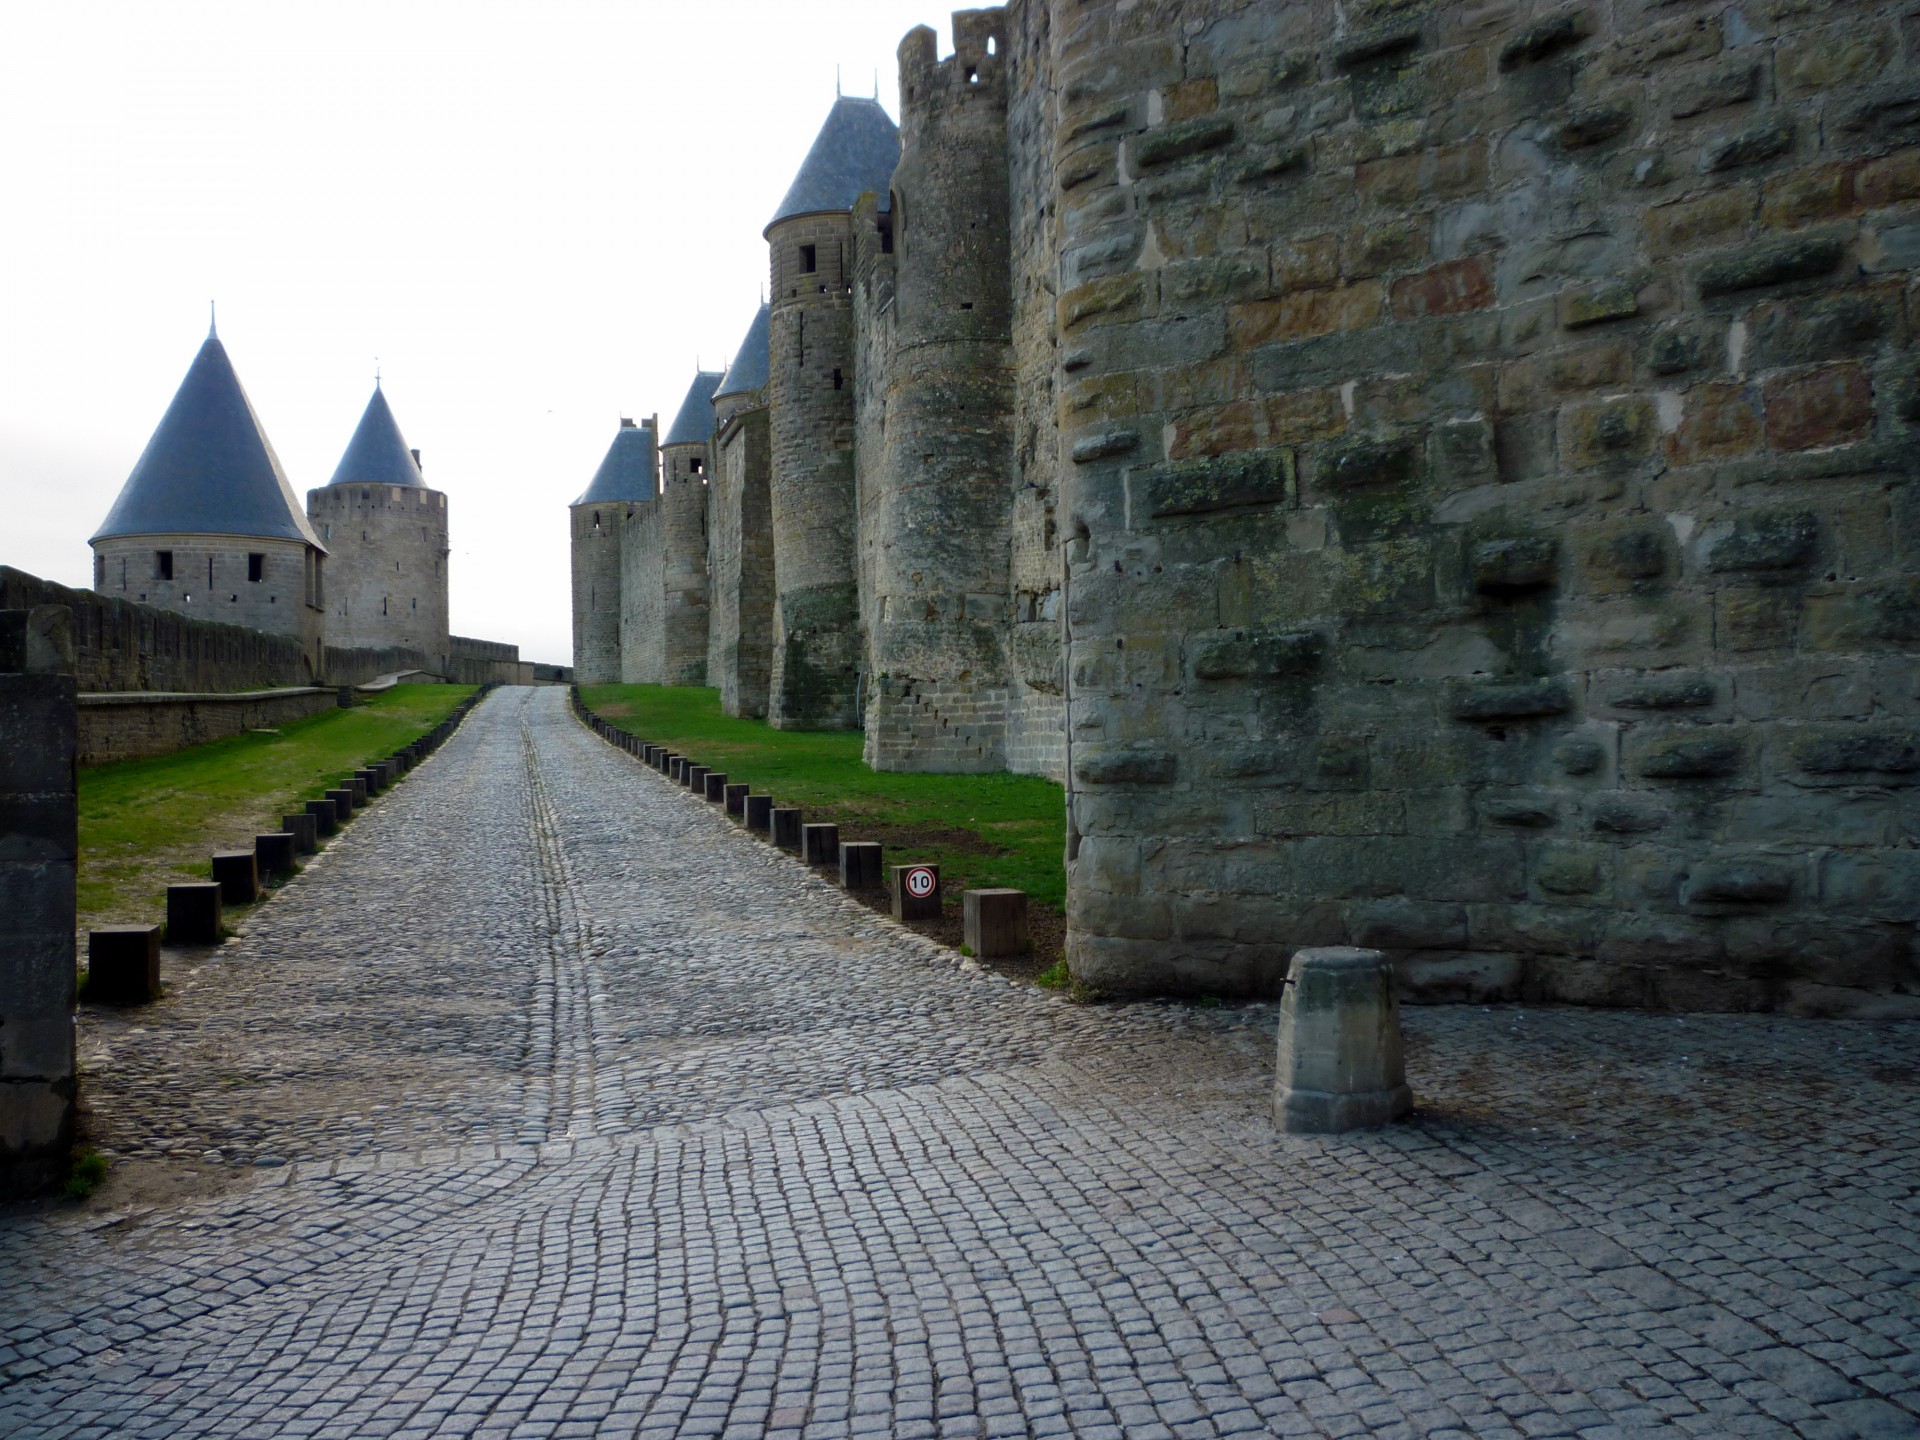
(716, 784)
(238, 874)
(342, 805)
(305, 830)
(696, 779)
(915, 891)
(758, 810)
(994, 922)
(820, 844)
(193, 913)
(860, 865)
(1341, 1066)
(123, 964)
(325, 816)
(786, 826)
(274, 853)
(734, 797)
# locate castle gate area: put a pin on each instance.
(547, 1104)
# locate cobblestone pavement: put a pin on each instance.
(550, 1105)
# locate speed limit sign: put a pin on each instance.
(921, 881)
(916, 892)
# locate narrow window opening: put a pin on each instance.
(123, 572)
(699, 465)
(233, 599)
(966, 304)
(99, 571)
(886, 234)
(209, 572)
(809, 259)
(993, 46)
(383, 604)
(837, 381)
(256, 566)
(973, 75)
(416, 602)
(366, 494)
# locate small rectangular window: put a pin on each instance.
(99, 572)
(256, 566)
(163, 564)
(809, 260)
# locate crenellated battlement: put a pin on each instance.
(975, 71)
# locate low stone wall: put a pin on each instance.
(359, 664)
(476, 662)
(127, 724)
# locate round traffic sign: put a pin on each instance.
(920, 881)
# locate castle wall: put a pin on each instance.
(387, 566)
(595, 536)
(810, 388)
(935, 509)
(740, 561)
(643, 595)
(1035, 711)
(683, 563)
(210, 580)
(1490, 502)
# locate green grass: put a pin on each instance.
(146, 824)
(980, 829)
(89, 1169)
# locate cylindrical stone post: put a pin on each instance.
(820, 844)
(758, 810)
(238, 874)
(786, 827)
(860, 865)
(1341, 1064)
(735, 799)
(123, 964)
(193, 913)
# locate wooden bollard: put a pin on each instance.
(342, 804)
(238, 874)
(369, 776)
(326, 817)
(820, 844)
(994, 922)
(716, 783)
(860, 865)
(273, 853)
(651, 754)
(786, 826)
(758, 810)
(358, 785)
(193, 913)
(697, 780)
(123, 964)
(734, 797)
(305, 830)
(915, 891)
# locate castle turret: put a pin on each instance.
(387, 533)
(740, 531)
(936, 510)
(207, 524)
(810, 385)
(626, 478)
(664, 570)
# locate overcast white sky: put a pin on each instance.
(537, 217)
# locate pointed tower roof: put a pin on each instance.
(377, 454)
(753, 359)
(694, 424)
(628, 472)
(209, 468)
(854, 152)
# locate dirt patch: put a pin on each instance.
(910, 837)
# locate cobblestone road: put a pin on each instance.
(552, 1106)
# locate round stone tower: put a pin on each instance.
(387, 533)
(740, 531)
(937, 510)
(684, 458)
(810, 389)
(207, 525)
(626, 477)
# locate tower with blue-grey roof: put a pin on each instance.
(740, 582)
(628, 479)
(386, 533)
(663, 576)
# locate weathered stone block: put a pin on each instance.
(1831, 405)
(1515, 700)
(1686, 756)
(1127, 765)
(994, 922)
(1545, 38)
(1859, 753)
(1750, 881)
(193, 913)
(1253, 655)
(1450, 288)
(1775, 540)
(1511, 565)
(1341, 1065)
(123, 964)
(1773, 262)
(1366, 461)
(1178, 141)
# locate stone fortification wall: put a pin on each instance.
(1036, 712)
(250, 581)
(478, 662)
(816, 649)
(740, 561)
(122, 645)
(356, 665)
(128, 725)
(683, 563)
(1491, 509)
(936, 507)
(386, 575)
(643, 593)
(595, 535)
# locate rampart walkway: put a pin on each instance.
(561, 1109)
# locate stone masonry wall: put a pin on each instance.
(810, 388)
(1036, 712)
(210, 580)
(683, 518)
(643, 596)
(386, 566)
(740, 564)
(1491, 508)
(936, 508)
(595, 537)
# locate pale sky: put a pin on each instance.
(537, 218)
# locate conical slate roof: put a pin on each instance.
(752, 361)
(854, 152)
(694, 424)
(628, 472)
(209, 468)
(378, 453)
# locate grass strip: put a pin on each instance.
(980, 830)
(149, 823)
